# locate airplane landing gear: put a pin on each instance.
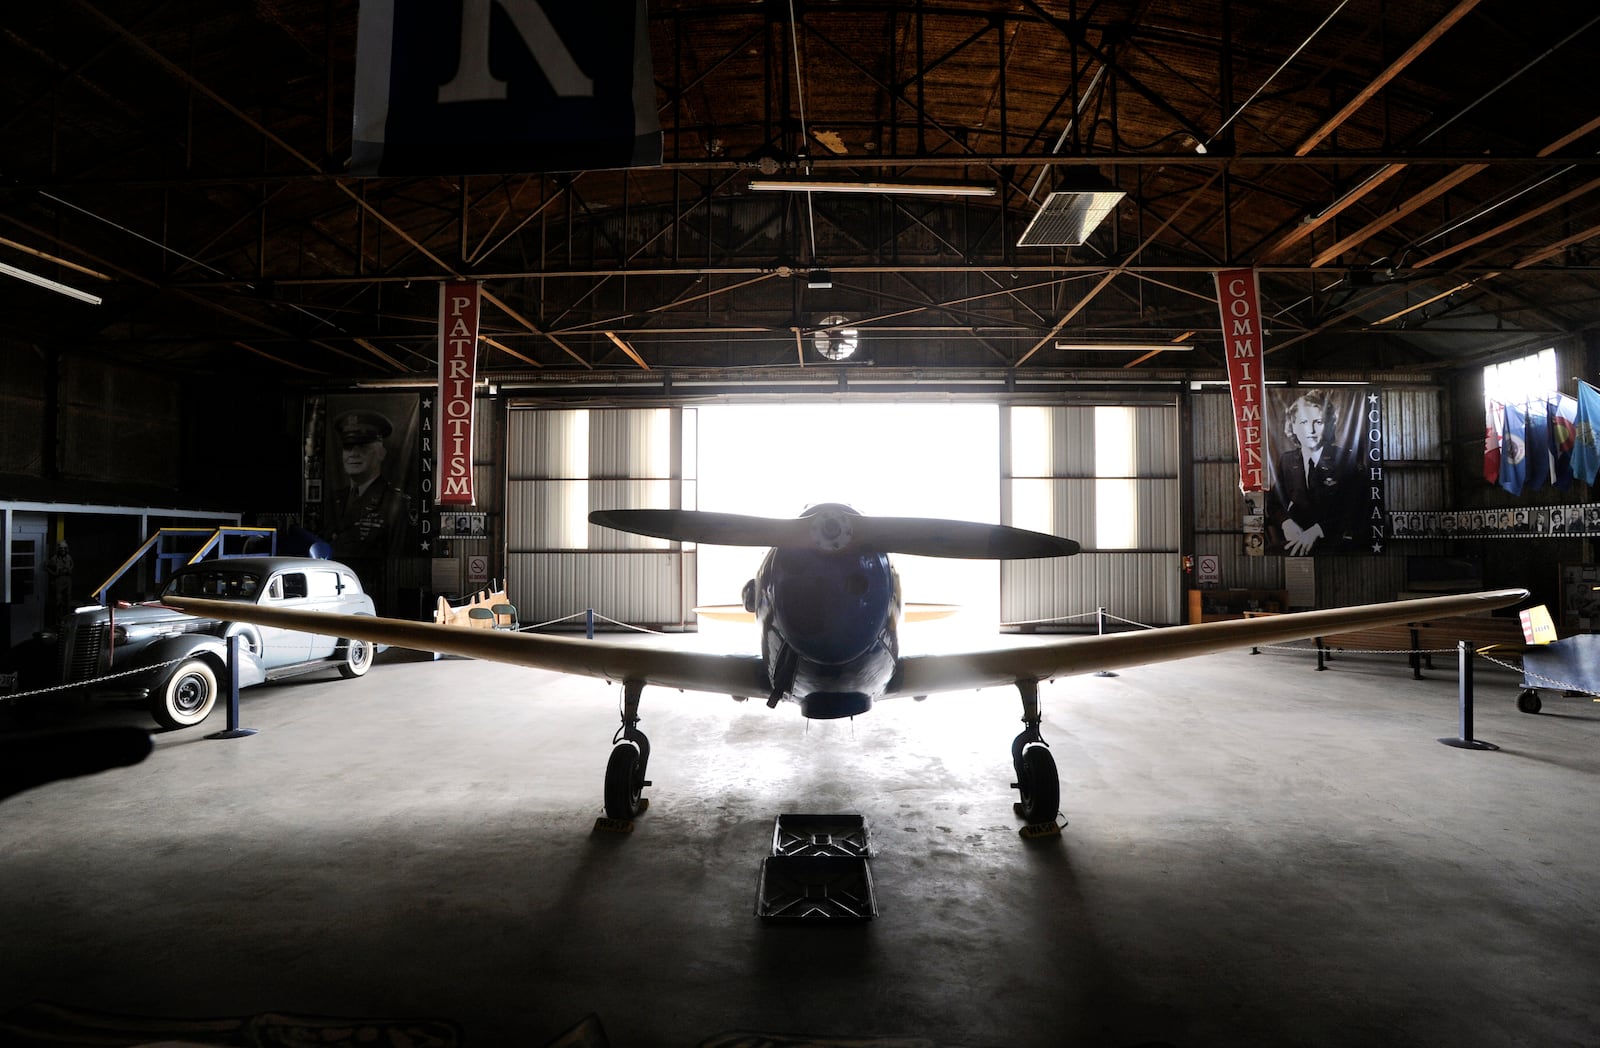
(1037, 781)
(630, 757)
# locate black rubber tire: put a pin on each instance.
(624, 783)
(1529, 702)
(356, 660)
(1039, 785)
(187, 696)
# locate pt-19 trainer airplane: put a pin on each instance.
(827, 601)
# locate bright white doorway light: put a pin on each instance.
(925, 460)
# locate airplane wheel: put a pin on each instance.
(1528, 701)
(1039, 785)
(624, 782)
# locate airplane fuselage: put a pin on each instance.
(829, 626)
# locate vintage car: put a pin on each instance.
(180, 663)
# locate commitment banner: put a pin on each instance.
(495, 86)
(458, 368)
(1239, 300)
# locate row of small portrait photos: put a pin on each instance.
(1535, 522)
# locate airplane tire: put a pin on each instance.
(1528, 701)
(186, 697)
(357, 658)
(624, 783)
(1039, 785)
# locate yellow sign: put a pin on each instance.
(1537, 627)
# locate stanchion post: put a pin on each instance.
(588, 624)
(233, 730)
(1100, 631)
(1464, 739)
(1321, 661)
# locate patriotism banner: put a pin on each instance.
(1239, 301)
(458, 367)
(495, 86)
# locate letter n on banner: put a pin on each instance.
(1239, 299)
(458, 368)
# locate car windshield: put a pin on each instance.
(214, 583)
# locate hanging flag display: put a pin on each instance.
(1536, 433)
(1239, 301)
(1494, 428)
(1563, 413)
(1514, 450)
(458, 365)
(1585, 448)
(508, 86)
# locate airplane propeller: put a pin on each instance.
(832, 530)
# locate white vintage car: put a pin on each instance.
(183, 658)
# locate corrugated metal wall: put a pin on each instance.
(1053, 484)
(563, 463)
(1414, 472)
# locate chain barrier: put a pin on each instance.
(94, 681)
(598, 617)
(1549, 682)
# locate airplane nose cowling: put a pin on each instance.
(831, 607)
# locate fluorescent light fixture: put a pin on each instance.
(1125, 347)
(822, 185)
(51, 285)
(819, 278)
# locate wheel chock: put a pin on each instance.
(605, 825)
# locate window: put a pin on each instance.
(1530, 378)
(1116, 501)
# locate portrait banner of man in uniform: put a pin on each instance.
(1318, 500)
(370, 482)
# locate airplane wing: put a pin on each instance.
(926, 674)
(745, 675)
(728, 674)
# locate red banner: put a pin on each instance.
(458, 366)
(1239, 299)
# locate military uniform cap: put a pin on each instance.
(362, 427)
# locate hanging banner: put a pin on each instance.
(1325, 471)
(481, 87)
(1377, 530)
(458, 365)
(1239, 300)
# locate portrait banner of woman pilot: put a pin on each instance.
(371, 477)
(1320, 500)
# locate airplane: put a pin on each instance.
(827, 601)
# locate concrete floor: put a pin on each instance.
(1258, 854)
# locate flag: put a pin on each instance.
(1563, 414)
(1585, 446)
(1514, 450)
(1494, 428)
(1538, 441)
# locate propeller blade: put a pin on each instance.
(718, 529)
(930, 537)
(832, 531)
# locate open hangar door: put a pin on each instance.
(1033, 467)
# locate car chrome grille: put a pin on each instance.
(83, 656)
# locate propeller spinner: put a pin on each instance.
(834, 528)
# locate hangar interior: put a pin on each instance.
(856, 268)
